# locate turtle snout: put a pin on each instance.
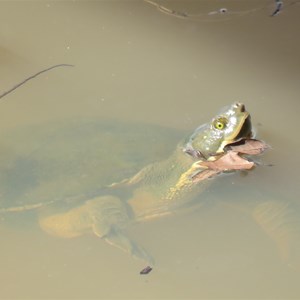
(240, 106)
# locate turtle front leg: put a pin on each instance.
(109, 214)
(104, 216)
(115, 237)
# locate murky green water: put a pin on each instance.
(172, 64)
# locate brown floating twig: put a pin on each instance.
(33, 76)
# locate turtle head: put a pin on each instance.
(231, 125)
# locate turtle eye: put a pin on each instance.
(220, 123)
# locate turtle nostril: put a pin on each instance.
(240, 106)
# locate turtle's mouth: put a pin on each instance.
(246, 130)
(243, 134)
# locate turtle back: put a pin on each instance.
(71, 159)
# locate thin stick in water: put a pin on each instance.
(33, 76)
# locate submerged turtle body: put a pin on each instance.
(62, 161)
(95, 177)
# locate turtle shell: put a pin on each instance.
(74, 159)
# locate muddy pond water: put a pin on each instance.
(171, 64)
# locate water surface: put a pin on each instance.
(136, 62)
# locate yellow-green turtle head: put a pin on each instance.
(231, 125)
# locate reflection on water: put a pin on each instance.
(138, 62)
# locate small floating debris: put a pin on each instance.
(146, 270)
(279, 5)
(221, 14)
(168, 11)
(222, 10)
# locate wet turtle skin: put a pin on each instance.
(97, 176)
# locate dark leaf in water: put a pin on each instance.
(251, 147)
(146, 270)
(229, 161)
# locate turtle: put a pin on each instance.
(97, 176)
